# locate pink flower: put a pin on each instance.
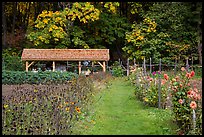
(196, 90)
(180, 101)
(191, 93)
(166, 76)
(163, 82)
(183, 69)
(193, 105)
(150, 79)
(192, 73)
(188, 75)
(197, 96)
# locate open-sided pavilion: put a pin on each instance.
(101, 56)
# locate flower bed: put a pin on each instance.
(177, 92)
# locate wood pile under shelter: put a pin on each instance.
(33, 55)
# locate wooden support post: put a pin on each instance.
(26, 66)
(92, 64)
(79, 67)
(134, 63)
(128, 67)
(150, 65)
(144, 65)
(104, 66)
(53, 66)
(187, 65)
(159, 88)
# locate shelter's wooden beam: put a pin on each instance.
(79, 67)
(103, 65)
(53, 66)
(26, 66)
(31, 64)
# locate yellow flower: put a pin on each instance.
(67, 108)
(50, 29)
(145, 99)
(45, 21)
(35, 90)
(66, 102)
(5, 105)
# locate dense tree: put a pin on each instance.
(167, 30)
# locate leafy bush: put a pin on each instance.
(11, 60)
(117, 70)
(41, 77)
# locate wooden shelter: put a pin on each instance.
(66, 55)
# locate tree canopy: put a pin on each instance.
(167, 30)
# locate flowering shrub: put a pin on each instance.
(186, 101)
(147, 88)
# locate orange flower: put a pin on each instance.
(72, 103)
(193, 105)
(78, 109)
(192, 73)
(166, 76)
(180, 101)
(183, 69)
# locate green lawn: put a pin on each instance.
(117, 112)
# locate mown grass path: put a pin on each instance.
(117, 112)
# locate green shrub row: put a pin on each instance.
(42, 77)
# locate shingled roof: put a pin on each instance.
(65, 54)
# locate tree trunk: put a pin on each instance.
(14, 19)
(4, 25)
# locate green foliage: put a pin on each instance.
(41, 77)
(176, 20)
(117, 70)
(11, 60)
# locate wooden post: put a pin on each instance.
(150, 65)
(175, 67)
(104, 66)
(144, 68)
(128, 67)
(26, 66)
(79, 67)
(92, 64)
(67, 65)
(187, 65)
(53, 66)
(159, 88)
(134, 63)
